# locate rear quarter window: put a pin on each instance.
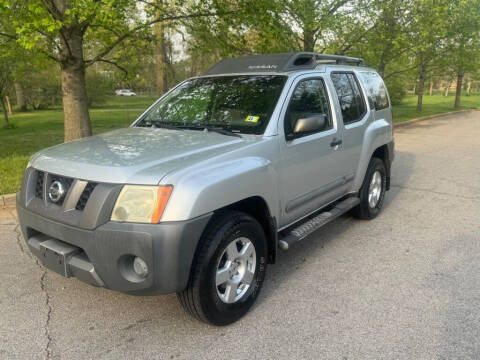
(376, 91)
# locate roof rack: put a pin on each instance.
(279, 62)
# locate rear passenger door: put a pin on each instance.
(355, 116)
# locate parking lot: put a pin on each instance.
(403, 286)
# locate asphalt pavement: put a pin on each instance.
(403, 286)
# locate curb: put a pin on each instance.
(8, 199)
(428, 117)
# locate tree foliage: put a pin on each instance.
(79, 33)
(132, 43)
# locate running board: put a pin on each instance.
(303, 230)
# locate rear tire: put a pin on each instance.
(228, 271)
(372, 192)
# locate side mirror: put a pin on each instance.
(310, 124)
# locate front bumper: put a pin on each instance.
(103, 256)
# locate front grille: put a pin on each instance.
(82, 201)
(43, 179)
(66, 182)
(39, 184)
(85, 205)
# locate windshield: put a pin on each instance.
(241, 104)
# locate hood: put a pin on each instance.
(135, 155)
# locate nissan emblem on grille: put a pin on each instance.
(56, 191)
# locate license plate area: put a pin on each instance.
(54, 254)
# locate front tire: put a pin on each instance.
(228, 271)
(372, 192)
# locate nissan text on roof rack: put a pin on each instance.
(201, 191)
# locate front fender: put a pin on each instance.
(204, 190)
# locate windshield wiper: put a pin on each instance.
(218, 130)
(162, 125)
(222, 131)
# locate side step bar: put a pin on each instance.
(306, 228)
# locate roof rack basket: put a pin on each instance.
(340, 59)
(311, 59)
(279, 62)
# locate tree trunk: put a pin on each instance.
(458, 93)
(4, 108)
(161, 60)
(469, 86)
(309, 25)
(9, 105)
(421, 86)
(431, 88)
(22, 106)
(447, 87)
(381, 68)
(161, 65)
(308, 40)
(74, 92)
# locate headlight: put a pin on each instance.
(144, 204)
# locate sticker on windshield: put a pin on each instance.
(252, 119)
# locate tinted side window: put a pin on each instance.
(376, 90)
(359, 99)
(309, 98)
(350, 97)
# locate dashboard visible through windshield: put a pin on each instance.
(235, 104)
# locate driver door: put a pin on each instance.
(311, 173)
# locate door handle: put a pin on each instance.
(335, 142)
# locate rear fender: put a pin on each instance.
(377, 134)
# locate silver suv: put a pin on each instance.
(200, 192)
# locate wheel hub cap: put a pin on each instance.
(375, 189)
(235, 270)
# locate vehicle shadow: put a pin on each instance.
(288, 262)
(402, 171)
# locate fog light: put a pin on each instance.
(140, 267)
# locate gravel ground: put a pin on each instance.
(403, 286)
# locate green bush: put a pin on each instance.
(99, 87)
(43, 89)
(396, 89)
(10, 126)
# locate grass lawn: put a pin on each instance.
(436, 104)
(39, 129)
